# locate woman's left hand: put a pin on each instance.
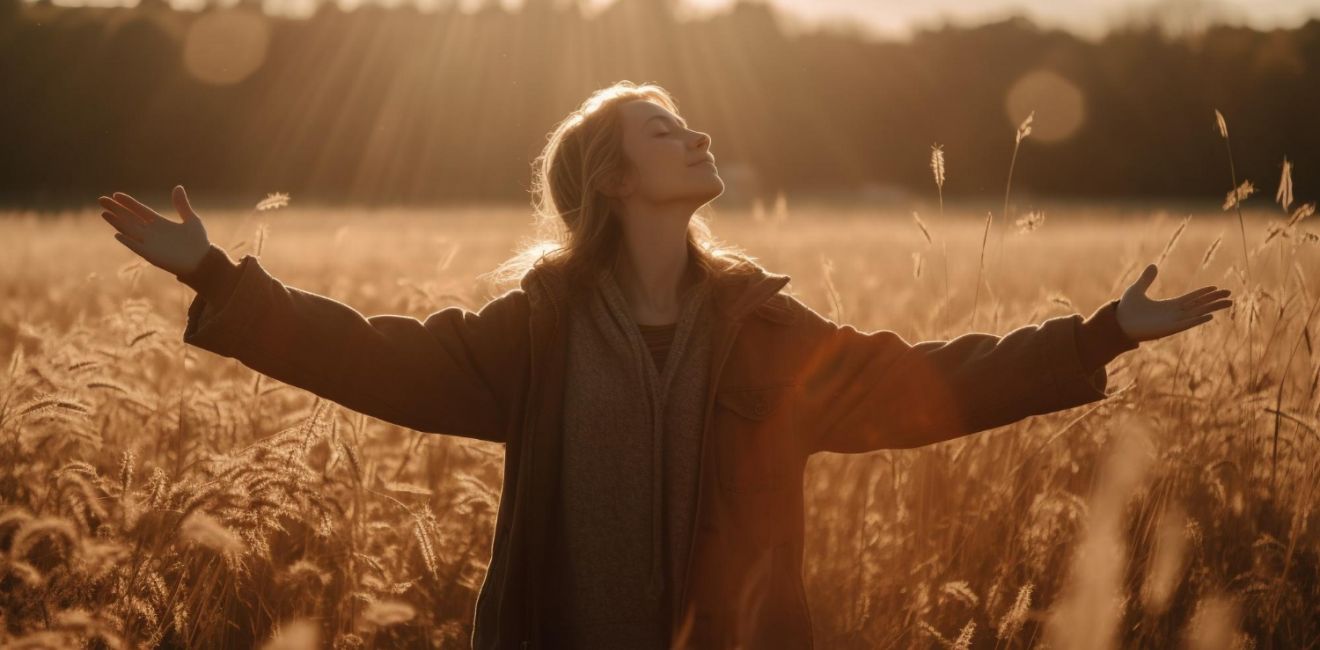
(1144, 319)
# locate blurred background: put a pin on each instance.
(417, 103)
(379, 154)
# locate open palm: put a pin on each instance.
(1143, 318)
(176, 246)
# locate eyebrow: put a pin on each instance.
(664, 117)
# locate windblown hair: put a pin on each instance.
(578, 225)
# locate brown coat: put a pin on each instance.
(785, 383)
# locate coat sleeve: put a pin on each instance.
(451, 373)
(863, 391)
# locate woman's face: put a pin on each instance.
(670, 163)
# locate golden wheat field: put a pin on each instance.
(157, 495)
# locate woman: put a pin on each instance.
(657, 397)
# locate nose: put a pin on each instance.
(703, 140)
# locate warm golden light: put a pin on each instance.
(1059, 105)
(225, 47)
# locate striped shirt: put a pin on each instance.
(658, 338)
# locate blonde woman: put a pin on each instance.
(657, 395)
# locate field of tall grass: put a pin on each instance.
(154, 494)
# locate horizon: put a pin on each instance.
(884, 19)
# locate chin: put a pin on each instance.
(707, 197)
(712, 191)
(699, 194)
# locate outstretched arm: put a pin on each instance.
(452, 373)
(864, 391)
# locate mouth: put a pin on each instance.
(707, 159)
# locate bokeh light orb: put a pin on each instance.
(1059, 104)
(225, 47)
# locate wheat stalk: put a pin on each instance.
(922, 225)
(1285, 193)
(1246, 262)
(979, 266)
(1023, 131)
(1017, 614)
(937, 170)
(273, 201)
(1210, 252)
(1302, 212)
(1173, 240)
(1030, 222)
(964, 640)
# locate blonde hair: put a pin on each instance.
(583, 152)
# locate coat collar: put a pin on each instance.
(734, 295)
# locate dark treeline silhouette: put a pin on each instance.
(398, 105)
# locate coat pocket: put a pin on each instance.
(753, 428)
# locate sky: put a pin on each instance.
(898, 18)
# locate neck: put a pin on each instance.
(653, 267)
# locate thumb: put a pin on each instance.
(1147, 277)
(180, 198)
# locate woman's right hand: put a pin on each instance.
(177, 247)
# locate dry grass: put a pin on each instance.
(158, 494)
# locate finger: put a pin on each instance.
(1205, 299)
(147, 214)
(131, 245)
(1147, 277)
(1188, 323)
(181, 205)
(119, 209)
(1193, 295)
(1214, 306)
(132, 228)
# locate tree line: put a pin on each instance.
(400, 105)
